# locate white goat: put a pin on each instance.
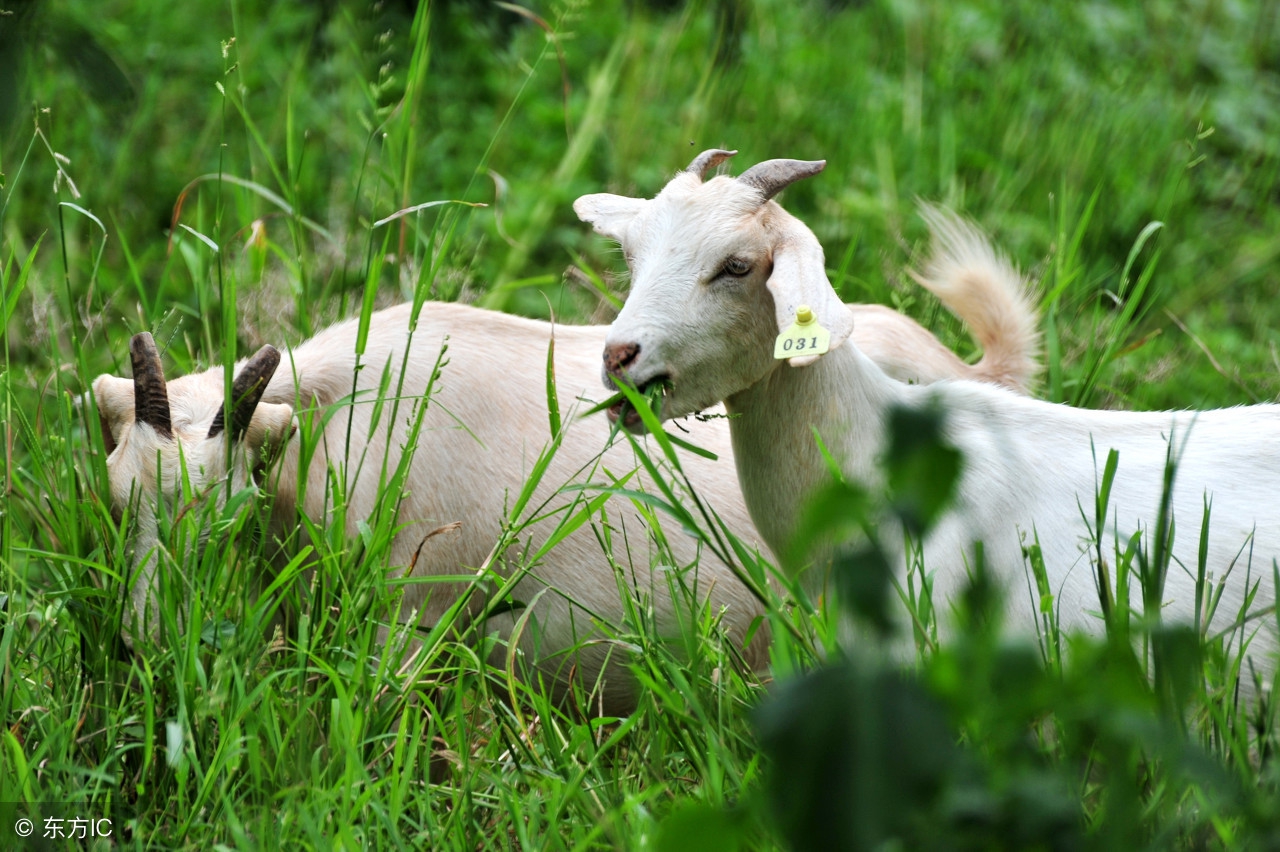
(718, 270)
(486, 423)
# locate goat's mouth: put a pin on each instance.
(654, 391)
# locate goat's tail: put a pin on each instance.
(985, 290)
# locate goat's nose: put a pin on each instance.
(619, 356)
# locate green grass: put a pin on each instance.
(226, 174)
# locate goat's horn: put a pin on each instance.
(246, 392)
(773, 176)
(708, 160)
(150, 396)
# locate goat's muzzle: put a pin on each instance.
(618, 357)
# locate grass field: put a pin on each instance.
(223, 175)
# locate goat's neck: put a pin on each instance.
(843, 397)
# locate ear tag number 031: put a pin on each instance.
(804, 337)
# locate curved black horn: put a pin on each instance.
(708, 160)
(150, 396)
(246, 392)
(773, 176)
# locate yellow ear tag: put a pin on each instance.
(804, 337)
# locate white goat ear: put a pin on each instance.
(608, 214)
(271, 427)
(800, 278)
(115, 407)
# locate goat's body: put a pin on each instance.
(484, 429)
(485, 426)
(1031, 472)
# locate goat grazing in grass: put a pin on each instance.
(719, 270)
(485, 425)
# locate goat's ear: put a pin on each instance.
(115, 407)
(271, 428)
(608, 214)
(799, 277)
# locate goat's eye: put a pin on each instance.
(736, 267)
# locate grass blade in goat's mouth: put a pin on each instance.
(654, 390)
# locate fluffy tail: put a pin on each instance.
(985, 290)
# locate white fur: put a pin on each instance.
(1029, 466)
(493, 385)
